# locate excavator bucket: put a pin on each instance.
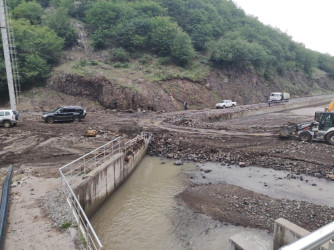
(284, 132)
(287, 130)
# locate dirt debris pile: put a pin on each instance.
(241, 207)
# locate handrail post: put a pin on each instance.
(104, 154)
(84, 163)
(313, 240)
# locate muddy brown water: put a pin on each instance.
(143, 214)
(138, 214)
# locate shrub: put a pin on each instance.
(119, 54)
(66, 225)
(31, 11)
(181, 49)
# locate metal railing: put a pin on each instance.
(4, 206)
(72, 174)
(313, 240)
(87, 230)
(77, 169)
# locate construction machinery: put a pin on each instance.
(321, 129)
(331, 106)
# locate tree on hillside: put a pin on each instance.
(38, 47)
(103, 17)
(60, 22)
(162, 34)
(132, 34)
(238, 53)
(181, 48)
(31, 11)
(326, 63)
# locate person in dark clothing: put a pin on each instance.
(185, 104)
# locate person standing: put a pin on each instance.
(185, 104)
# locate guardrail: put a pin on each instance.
(4, 206)
(83, 165)
(87, 230)
(144, 135)
(313, 240)
(72, 174)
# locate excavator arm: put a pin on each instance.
(331, 106)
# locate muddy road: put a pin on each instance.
(41, 149)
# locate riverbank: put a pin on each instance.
(255, 197)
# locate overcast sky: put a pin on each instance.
(310, 22)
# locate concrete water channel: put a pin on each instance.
(143, 214)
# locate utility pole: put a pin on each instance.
(4, 35)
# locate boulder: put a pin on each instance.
(178, 162)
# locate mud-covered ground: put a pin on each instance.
(40, 149)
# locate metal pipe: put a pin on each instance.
(313, 240)
(4, 206)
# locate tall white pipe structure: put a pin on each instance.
(9, 72)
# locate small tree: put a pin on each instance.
(181, 49)
(31, 11)
(163, 32)
(35, 69)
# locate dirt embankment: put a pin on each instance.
(129, 90)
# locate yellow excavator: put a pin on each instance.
(321, 129)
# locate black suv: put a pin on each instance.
(68, 113)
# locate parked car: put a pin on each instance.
(8, 118)
(225, 104)
(67, 113)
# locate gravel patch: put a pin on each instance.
(57, 209)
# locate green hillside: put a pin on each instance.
(180, 33)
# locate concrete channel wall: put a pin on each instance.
(99, 184)
(264, 108)
(285, 233)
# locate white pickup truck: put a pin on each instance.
(225, 104)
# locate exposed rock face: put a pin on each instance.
(169, 95)
(99, 88)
